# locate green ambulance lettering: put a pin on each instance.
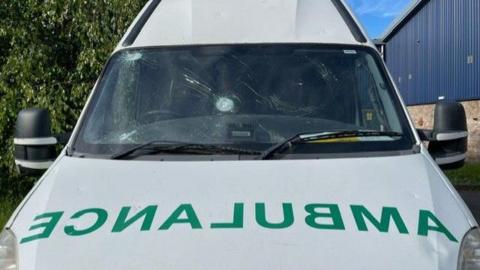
(360, 213)
(318, 216)
(101, 218)
(261, 218)
(424, 219)
(333, 214)
(237, 222)
(147, 214)
(174, 218)
(47, 227)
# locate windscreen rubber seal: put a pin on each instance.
(352, 25)
(132, 36)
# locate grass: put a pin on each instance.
(468, 175)
(7, 206)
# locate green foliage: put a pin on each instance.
(467, 175)
(51, 53)
(7, 206)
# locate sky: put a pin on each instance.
(377, 15)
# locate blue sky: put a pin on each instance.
(377, 15)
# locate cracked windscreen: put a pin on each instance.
(252, 96)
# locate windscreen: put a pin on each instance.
(249, 95)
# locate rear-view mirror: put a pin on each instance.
(34, 142)
(449, 137)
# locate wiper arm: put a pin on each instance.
(181, 147)
(306, 137)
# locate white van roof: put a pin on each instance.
(189, 22)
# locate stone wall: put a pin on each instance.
(423, 118)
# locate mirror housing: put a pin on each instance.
(34, 142)
(449, 137)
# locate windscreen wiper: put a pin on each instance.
(306, 137)
(157, 146)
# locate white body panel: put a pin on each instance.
(409, 183)
(189, 22)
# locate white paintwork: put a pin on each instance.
(35, 141)
(187, 22)
(407, 182)
(449, 136)
(40, 165)
(410, 182)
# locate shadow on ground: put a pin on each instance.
(472, 199)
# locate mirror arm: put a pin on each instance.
(430, 136)
(63, 138)
(425, 134)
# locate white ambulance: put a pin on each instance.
(242, 135)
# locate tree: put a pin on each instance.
(51, 53)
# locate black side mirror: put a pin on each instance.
(449, 137)
(34, 142)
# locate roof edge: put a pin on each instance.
(352, 25)
(138, 26)
(404, 18)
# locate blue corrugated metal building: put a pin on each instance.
(433, 51)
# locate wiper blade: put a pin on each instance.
(306, 137)
(155, 147)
